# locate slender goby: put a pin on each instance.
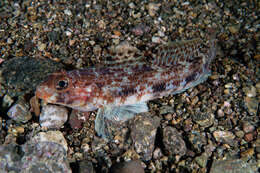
(121, 88)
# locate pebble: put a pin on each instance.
(68, 12)
(140, 30)
(252, 104)
(53, 116)
(204, 119)
(50, 136)
(10, 158)
(248, 153)
(156, 39)
(19, 112)
(240, 134)
(41, 46)
(143, 131)
(173, 142)
(250, 91)
(77, 119)
(7, 101)
(166, 110)
(44, 157)
(157, 153)
(44, 153)
(133, 166)
(131, 5)
(86, 166)
(16, 130)
(231, 166)
(153, 8)
(234, 29)
(202, 160)
(197, 140)
(247, 127)
(224, 137)
(249, 137)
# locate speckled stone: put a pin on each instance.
(143, 130)
(10, 158)
(173, 142)
(20, 112)
(45, 157)
(231, 166)
(86, 166)
(50, 136)
(224, 137)
(133, 166)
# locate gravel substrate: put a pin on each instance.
(213, 127)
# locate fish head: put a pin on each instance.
(64, 89)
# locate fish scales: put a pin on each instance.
(130, 79)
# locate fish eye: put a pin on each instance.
(62, 84)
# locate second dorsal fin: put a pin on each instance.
(176, 52)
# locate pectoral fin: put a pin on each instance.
(119, 114)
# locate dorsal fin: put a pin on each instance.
(176, 52)
(123, 54)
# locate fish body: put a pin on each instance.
(121, 87)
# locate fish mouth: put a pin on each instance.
(46, 94)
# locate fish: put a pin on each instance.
(121, 87)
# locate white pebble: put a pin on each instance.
(156, 39)
(53, 116)
(51, 136)
(68, 12)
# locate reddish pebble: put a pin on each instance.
(249, 137)
(77, 118)
(247, 127)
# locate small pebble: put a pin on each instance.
(53, 116)
(224, 136)
(252, 104)
(86, 166)
(247, 127)
(153, 8)
(250, 91)
(234, 29)
(19, 112)
(50, 136)
(157, 153)
(41, 46)
(7, 101)
(68, 12)
(173, 142)
(156, 39)
(202, 160)
(249, 137)
(134, 166)
(143, 132)
(248, 153)
(231, 166)
(204, 119)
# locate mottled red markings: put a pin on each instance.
(129, 90)
(176, 82)
(108, 84)
(159, 87)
